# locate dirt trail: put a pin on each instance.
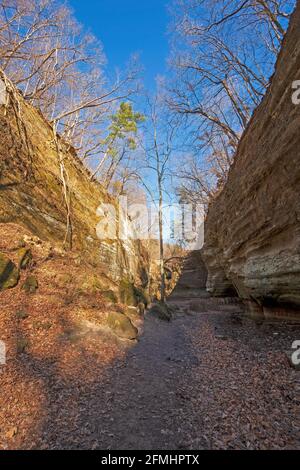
(203, 381)
(209, 379)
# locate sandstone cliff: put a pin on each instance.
(252, 232)
(32, 192)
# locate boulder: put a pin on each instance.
(122, 326)
(24, 256)
(133, 312)
(161, 311)
(9, 274)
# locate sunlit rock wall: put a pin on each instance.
(252, 232)
(31, 192)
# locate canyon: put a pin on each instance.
(252, 231)
(252, 228)
(93, 359)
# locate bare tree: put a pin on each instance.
(224, 53)
(159, 150)
(59, 68)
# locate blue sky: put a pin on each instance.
(126, 27)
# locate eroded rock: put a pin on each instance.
(25, 257)
(121, 325)
(9, 274)
(252, 231)
(36, 202)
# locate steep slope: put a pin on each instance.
(67, 310)
(34, 165)
(252, 232)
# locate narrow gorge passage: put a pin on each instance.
(149, 228)
(210, 378)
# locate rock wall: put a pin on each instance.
(31, 192)
(252, 232)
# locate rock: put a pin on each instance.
(142, 296)
(24, 256)
(122, 326)
(91, 284)
(42, 212)
(132, 312)
(161, 311)
(30, 285)
(221, 337)
(252, 236)
(142, 309)
(9, 274)
(293, 357)
(131, 295)
(127, 293)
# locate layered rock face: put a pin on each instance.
(34, 165)
(252, 232)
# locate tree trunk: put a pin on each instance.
(161, 246)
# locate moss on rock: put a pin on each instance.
(90, 284)
(122, 326)
(132, 295)
(127, 293)
(24, 256)
(142, 296)
(110, 295)
(9, 274)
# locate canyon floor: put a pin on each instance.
(203, 381)
(209, 379)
